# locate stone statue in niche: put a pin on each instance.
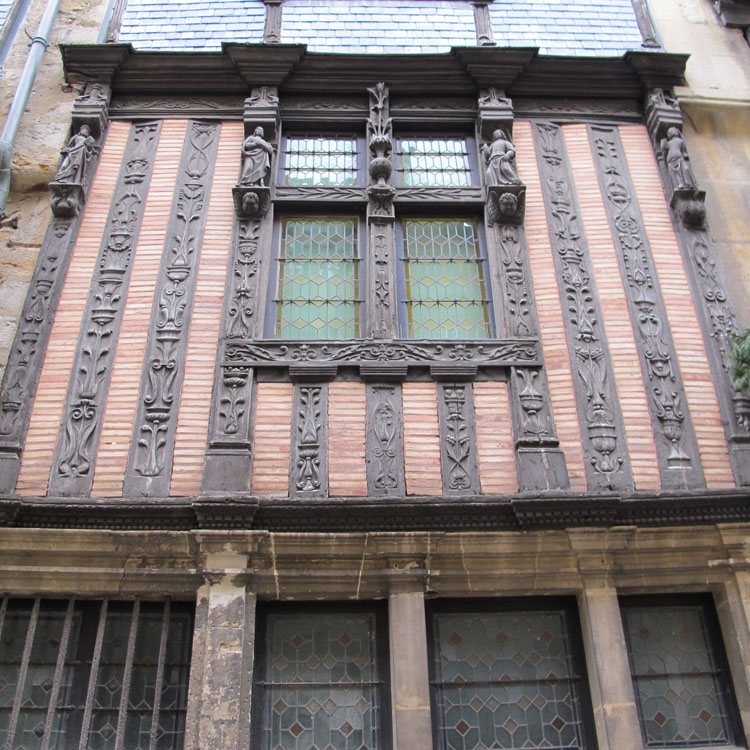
(678, 162)
(76, 156)
(252, 197)
(256, 159)
(500, 157)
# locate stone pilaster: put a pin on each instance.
(410, 684)
(218, 714)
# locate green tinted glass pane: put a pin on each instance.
(320, 161)
(434, 162)
(318, 279)
(505, 680)
(678, 686)
(445, 286)
(321, 682)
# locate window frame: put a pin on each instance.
(402, 298)
(567, 606)
(716, 652)
(359, 153)
(471, 149)
(272, 285)
(264, 612)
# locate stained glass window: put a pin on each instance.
(679, 674)
(65, 664)
(507, 679)
(318, 290)
(322, 682)
(434, 162)
(444, 273)
(320, 161)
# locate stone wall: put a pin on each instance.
(716, 109)
(43, 133)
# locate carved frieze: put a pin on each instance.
(678, 451)
(309, 467)
(155, 423)
(385, 441)
(320, 193)
(441, 194)
(458, 439)
(604, 438)
(489, 353)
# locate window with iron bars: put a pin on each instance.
(93, 675)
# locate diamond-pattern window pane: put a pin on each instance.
(322, 684)
(434, 162)
(318, 292)
(446, 293)
(49, 647)
(681, 691)
(505, 680)
(320, 161)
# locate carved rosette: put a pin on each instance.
(667, 404)
(609, 466)
(709, 288)
(160, 390)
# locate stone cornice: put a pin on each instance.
(238, 67)
(521, 511)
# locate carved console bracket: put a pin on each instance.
(709, 289)
(506, 204)
(251, 201)
(67, 198)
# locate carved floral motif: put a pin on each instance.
(667, 393)
(174, 295)
(456, 439)
(590, 358)
(385, 424)
(244, 287)
(307, 467)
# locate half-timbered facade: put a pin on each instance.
(374, 398)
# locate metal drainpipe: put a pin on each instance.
(13, 120)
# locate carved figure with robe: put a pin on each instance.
(500, 157)
(678, 162)
(76, 156)
(256, 158)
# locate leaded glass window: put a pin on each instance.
(320, 161)
(508, 679)
(323, 681)
(318, 279)
(445, 295)
(72, 669)
(679, 673)
(434, 162)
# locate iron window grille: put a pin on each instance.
(318, 278)
(443, 279)
(508, 674)
(93, 675)
(680, 673)
(321, 678)
(317, 161)
(435, 162)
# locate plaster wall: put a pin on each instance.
(43, 132)
(716, 108)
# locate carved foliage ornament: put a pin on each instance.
(457, 439)
(307, 467)
(667, 394)
(590, 356)
(385, 427)
(174, 295)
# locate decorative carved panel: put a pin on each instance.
(608, 464)
(309, 460)
(153, 439)
(72, 473)
(458, 452)
(678, 451)
(385, 441)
